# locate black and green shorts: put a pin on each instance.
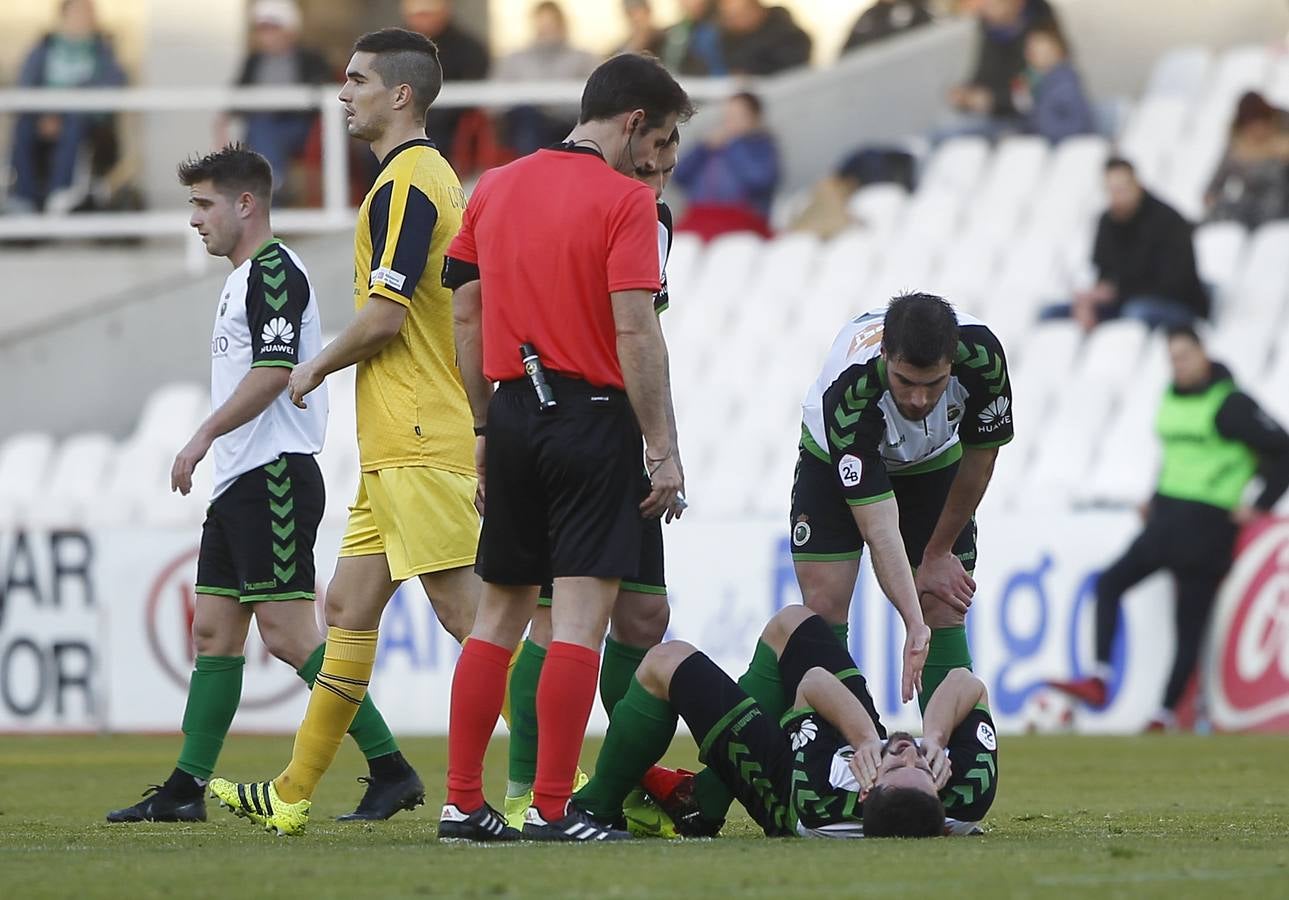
(650, 579)
(257, 541)
(823, 527)
(738, 740)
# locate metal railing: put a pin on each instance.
(335, 214)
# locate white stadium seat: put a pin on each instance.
(879, 207)
(172, 413)
(80, 468)
(1261, 289)
(1047, 356)
(1153, 132)
(933, 216)
(956, 165)
(1111, 355)
(24, 466)
(1219, 252)
(844, 263)
(1277, 92)
(1244, 344)
(1181, 72)
(1071, 190)
(1240, 69)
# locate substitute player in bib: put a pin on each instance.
(256, 556)
(415, 513)
(640, 614)
(799, 743)
(900, 434)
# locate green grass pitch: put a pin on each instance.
(1156, 816)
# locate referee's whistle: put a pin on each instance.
(537, 375)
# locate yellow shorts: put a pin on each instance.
(422, 519)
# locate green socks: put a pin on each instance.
(368, 730)
(843, 633)
(214, 691)
(639, 734)
(523, 718)
(617, 671)
(948, 651)
(764, 684)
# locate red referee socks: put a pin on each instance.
(565, 696)
(478, 689)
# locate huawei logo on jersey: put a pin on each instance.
(278, 330)
(995, 415)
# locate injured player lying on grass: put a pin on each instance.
(797, 741)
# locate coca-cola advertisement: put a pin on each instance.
(1248, 661)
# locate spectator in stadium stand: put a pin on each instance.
(1215, 439)
(730, 178)
(462, 55)
(693, 45)
(642, 35)
(884, 19)
(550, 57)
(1251, 184)
(1051, 94)
(47, 146)
(984, 102)
(277, 59)
(555, 302)
(760, 40)
(1144, 255)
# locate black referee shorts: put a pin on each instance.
(563, 486)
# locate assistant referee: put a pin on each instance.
(558, 250)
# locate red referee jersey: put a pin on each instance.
(554, 234)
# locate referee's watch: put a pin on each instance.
(480, 430)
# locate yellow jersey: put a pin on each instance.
(410, 402)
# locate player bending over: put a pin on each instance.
(899, 438)
(798, 742)
(256, 557)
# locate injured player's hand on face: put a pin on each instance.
(906, 764)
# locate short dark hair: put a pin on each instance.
(233, 170)
(1050, 30)
(631, 81)
(405, 57)
(1183, 331)
(752, 100)
(921, 329)
(902, 812)
(550, 6)
(1118, 162)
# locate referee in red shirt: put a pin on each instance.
(559, 251)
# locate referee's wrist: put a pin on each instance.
(480, 430)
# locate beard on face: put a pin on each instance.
(899, 737)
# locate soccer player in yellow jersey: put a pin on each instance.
(415, 512)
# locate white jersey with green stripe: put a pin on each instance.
(850, 419)
(267, 316)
